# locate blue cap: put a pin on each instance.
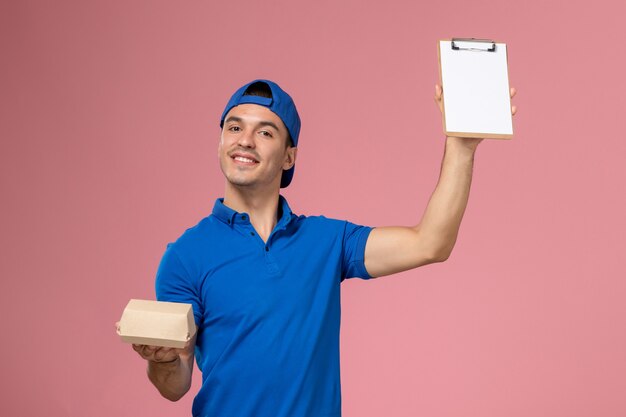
(281, 104)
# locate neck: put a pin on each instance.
(261, 206)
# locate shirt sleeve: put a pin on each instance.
(354, 240)
(174, 284)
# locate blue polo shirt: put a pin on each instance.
(268, 313)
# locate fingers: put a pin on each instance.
(145, 351)
(438, 97)
(513, 108)
(438, 92)
(156, 353)
(163, 354)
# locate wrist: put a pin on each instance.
(461, 147)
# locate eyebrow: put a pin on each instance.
(261, 123)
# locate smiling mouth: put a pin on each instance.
(244, 159)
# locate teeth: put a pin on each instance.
(242, 159)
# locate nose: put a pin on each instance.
(246, 140)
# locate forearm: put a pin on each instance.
(442, 219)
(172, 379)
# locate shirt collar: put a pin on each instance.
(230, 216)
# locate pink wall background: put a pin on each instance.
(109, 127)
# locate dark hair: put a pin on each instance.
(261, 89)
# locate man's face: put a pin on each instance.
(252, 150)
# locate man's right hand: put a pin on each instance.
(158, 354)
(169, 369)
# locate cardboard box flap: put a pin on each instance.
(157, 323)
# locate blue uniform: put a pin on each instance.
(268, 313)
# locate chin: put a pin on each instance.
(241, 182)
(249, 182)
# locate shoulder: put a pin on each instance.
(198, 235)
(320, 224)
(318, 221)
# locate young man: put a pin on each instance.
(265, 283)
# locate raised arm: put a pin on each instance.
(394, 249)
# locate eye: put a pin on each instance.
(266, 133)
(234, 128)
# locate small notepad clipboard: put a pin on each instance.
(476, 94)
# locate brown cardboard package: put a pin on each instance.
(157, 323)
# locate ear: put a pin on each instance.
(220, 142)
(290, 157)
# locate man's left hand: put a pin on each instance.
(466, 143)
